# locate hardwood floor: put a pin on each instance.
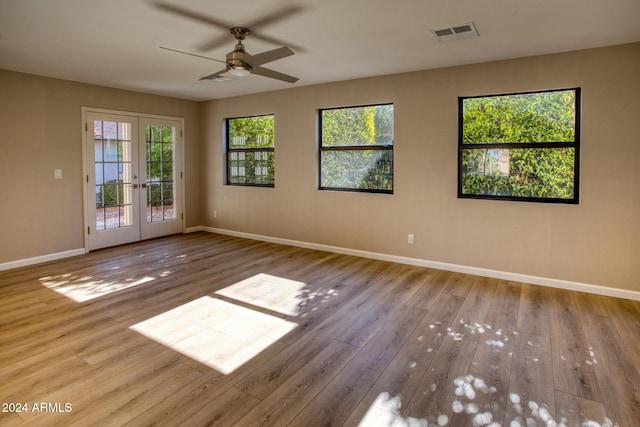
(204, 329)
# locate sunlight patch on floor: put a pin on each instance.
(385, 412)
(473, 400)
(81, 289)
(468, 406)
(216, 333)
(271, 292)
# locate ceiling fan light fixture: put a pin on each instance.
(240, 70)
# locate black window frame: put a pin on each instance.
(501, 145)
(229, 150)
(337, 148)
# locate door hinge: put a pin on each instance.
(87, 179)
(180, 175)
(182, 216)
(86, 127)
(181, 134)
(88, 230)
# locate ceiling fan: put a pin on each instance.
(240, 63)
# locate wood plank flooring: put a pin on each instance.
(156, 333)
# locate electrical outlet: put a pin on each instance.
(410, 239)
(215, 214)
(57, 173)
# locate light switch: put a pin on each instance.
(57, 173)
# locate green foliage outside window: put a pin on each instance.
(110, 194)
(521, 146)
(357, 148)
(250, 151)
(160, 144)
(111, 190)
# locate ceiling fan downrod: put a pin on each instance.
(236, 65)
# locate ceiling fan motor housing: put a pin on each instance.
(236, 59)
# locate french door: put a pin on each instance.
(133, 168)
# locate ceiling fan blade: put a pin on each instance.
(257, 24)
(213, 44)
(214, 75)
(271, 55)
(266, 72)
(220, 41)
(192, 15)
(276, 16)
(192, 54)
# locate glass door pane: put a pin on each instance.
(113, 174)
(160, 173)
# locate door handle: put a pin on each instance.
(143, 185)
(135, 186)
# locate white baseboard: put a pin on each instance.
(40, 259)
(497, 274)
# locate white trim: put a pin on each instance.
(40, 259)
(133, 114)
(496, 274)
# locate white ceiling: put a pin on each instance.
(116, 43)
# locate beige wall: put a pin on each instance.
(40, 130)
(595, 242)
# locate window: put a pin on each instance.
(250, 151)
(356, 149)
(522, 146)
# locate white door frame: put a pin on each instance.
(88, 220)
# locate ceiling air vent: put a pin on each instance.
(458, 32)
